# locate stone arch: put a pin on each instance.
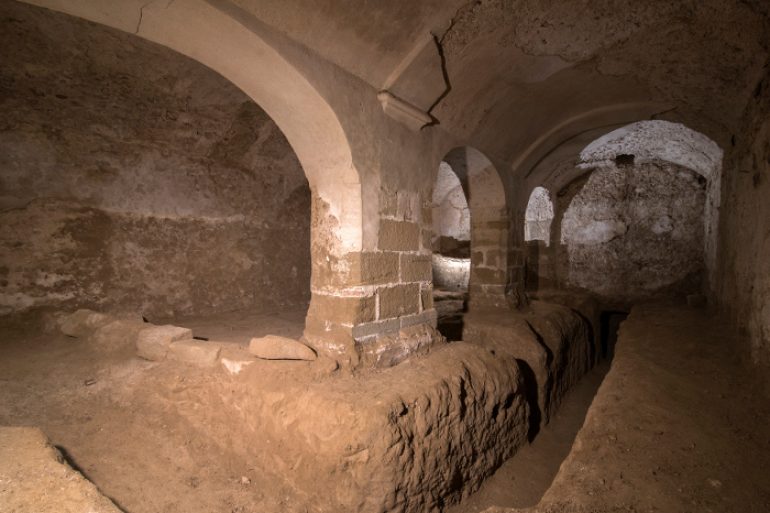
(658, 140)
(200, 30)
(451, 231)
(489, 226)
(538, 216)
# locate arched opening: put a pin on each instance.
(634, 215)
(451, 243)
(538, 216)
(653, 141)
(137, 181)
(537, 232)
(211, 36)
(632, 231)
(451, 232)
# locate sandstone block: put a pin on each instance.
(487, 275)
(335, 340)
(379, 267)
(415, 267)
(83, 322)
(273, 347)
(399, 236)
(399, 300)
(195, 352)
(428, 317)
(426, 297)
(343, 309)
(153, 343)
(375, 328)
(426, 238)
(117, 335)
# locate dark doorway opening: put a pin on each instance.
(610, 324)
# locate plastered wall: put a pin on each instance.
(744, 243)
(632, 232)
(133, 178)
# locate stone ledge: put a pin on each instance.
(400, 440)
(552, 343)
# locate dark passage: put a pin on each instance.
(610, 323)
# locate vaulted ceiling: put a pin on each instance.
(524, 76)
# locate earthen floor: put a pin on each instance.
(678, 425)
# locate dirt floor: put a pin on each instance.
(109, 414)
(677, 425)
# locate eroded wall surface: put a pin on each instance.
(745, 229)
(134, 178)
(634, 232)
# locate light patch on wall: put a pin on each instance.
(451, 216)
(538, 216)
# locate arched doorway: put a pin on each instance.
(476, 177)
(648, 185)
(204, 32)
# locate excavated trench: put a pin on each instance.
(283, 436)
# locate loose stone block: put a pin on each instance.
(153, 343)
(399, 236)
(273, 347)
(83, 322)
(399, 300)
(117, 335)
(200, 353)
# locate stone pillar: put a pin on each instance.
(489, 258)
(374, 308)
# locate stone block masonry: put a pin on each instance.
(362, 301)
